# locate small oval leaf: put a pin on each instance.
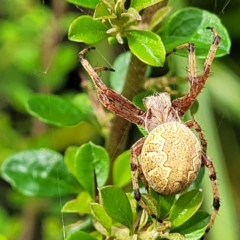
(85, 29)
(147, 46)
(54, 110)
(117, 206)
(185, 207)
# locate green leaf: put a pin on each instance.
(158, 17)
(195, 227)
(39, 173)
(85, 3)
(120, 65)
(69, 159)
(101, 216)
(91, 160)
(141, 4)
(185, 207)
(78, 205)
(117, 206)
(121, 170)
(189, 25)
(152, 203)
(80, 235)
(84, 104)
(102, 12)
(85, 29)
(166, 203)
(198, 180)
(147, 46)
(54, 110)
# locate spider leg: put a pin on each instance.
(197, 83)
(212, 173)
(191, 60)
(136, 170)
(216, 200)
(193, 123)
(113, 101)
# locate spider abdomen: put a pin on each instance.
(171, 158)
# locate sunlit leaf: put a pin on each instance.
(195, 227)
(141, 4)
(147, 46)
(78, 205)
(185, 207)
(85, 3)
(101, 216)
(85, 29)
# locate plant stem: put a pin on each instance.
(118, 136)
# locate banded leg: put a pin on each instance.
(216, 200)
(113, 101)
(136, 170)
(193, 123)
(196, 83)
(212, 173)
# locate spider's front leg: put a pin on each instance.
(196, 83)
(113, 101)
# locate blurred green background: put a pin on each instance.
(36, 56)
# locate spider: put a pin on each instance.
(171, 154)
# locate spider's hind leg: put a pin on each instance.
(212, 173)
(216, 200)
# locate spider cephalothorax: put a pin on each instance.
(168, 159)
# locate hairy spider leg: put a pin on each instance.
(196, 83)
(193, 123)
(216, 200)
(113, 101)
(212, 173)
